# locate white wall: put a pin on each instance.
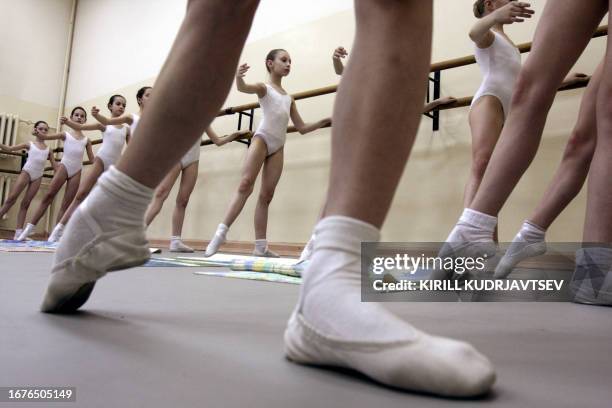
(118, 42)
(34, 37)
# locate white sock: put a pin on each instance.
(217, 240)
(105, 233)
(528, 242)
(57, 232)
(27, 231)
(331, 326)
(176, 245)
(261, 245)
(307, 251)
(592, 279)
(18, 232)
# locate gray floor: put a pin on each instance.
(163, 337)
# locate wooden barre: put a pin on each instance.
(439, 66)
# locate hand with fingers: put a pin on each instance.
(242, 70)
(513, 12)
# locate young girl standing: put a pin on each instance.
(266, 148)
(30, 177)
(68, 171)
(113, 140)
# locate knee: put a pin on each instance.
(265, 196)
(246, 185)
(182, 201)
(581, 145)
(530, 88)
(48, 198)
(161, 193)
(81, 195)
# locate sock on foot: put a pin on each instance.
(528, 242)
(217, 240)
(307, 251)
(27, 231)
(105, 233)
(176, 245)
(57, 233)
(331, 326)
(18, 233)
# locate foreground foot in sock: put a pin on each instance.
(217, 240)
(592, 280)
(307, 251)
(331, 326)
(106, 233)
(176, 245)
(57, 233)
(529, 242)
(27, 231)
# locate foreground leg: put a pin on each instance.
(107, 232)
(375, 122)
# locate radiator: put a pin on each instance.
(9, 126)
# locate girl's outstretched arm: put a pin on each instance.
(302, 127)
(120, 120)
(15, 148)
(77, 126)
(257, 88)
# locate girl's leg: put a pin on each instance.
(88, 183)
(272, 170)
(161, 194)
(375, 121)
(486, 123)
(188, 86)
(566, 184)
(592, 280)
(26, 201)
(256, 155)
(72, 187)
(564, 30)
(56, 184)
(189, 177)
(23, 180)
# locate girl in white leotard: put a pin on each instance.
(130, 119)
(266, 148)
(188, 169)
(500, 62)
(113, 140)
(30, 177)
(68, 171)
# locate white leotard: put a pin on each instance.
(192, 156)
(35, 165)
(73, 154)
(113, 140)
(500, 64)
(273, 127)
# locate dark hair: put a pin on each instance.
(39, 122)
(141, 93)
(272, 55)
(76, 109)
(479, 8)
(112, 100)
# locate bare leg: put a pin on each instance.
(563, 32)
(189, 177)
(56, 184)
(72, 187)
(486, 123)
(376, 115)
(574, 167)
(25, 202)
(161, 194)
(272, 170)
(108, 232)
(598, 224)
(88, 183)
(256, 156)
(23, 180)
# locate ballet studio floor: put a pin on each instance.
(164, 337)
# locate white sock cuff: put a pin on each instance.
(222, 228)
(126, 188)
(530, 226)
(345, 233)
(175, 238)
(30, 225)
(477, 219)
